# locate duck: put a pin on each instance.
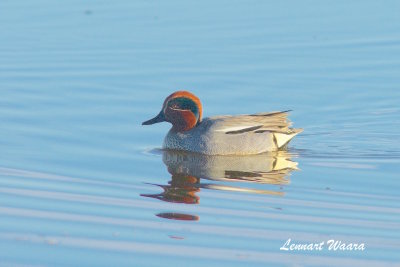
(246, 134)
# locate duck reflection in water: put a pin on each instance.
(181, 189)
(188, 168)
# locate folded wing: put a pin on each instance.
(276, 123)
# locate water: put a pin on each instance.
(83, 183)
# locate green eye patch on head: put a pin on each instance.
(184, 104)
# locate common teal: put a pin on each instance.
(221, 135)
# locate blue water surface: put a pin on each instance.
(82, 182)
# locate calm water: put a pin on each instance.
(82, 183)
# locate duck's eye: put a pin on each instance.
(174, 106)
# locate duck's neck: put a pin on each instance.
(182, 120)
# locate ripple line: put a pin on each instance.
(193, 251)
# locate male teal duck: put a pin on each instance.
(221, 135)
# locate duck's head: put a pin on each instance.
(182, 108)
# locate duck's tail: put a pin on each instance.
(281, 139)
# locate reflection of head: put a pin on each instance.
(181, 189)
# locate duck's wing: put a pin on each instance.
(257, 123)
(276, 123)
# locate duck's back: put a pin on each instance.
(234, 135)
